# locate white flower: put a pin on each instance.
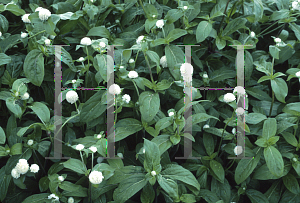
(22, 167)
(185, 7)
(133, 74)
(99, 136)
(17, 94)
(160, 23)
(15, 174)
(38, 9)
(144, 151)
(298, 74)
(44, 14)
(233, 131)
(0, 34)
(102, 44)
(239, 111)
(229, 97)
(120, 155)
(25, 18)
(114, 89)
(24, 35)
(61, 178)
(277, 40)
(295, 5)
(47, 42)
(171, 113)
(295, 159)
(205, 75)
(139, 39)
(71, 200)
(93, 149)
(186, 71)
(126, 98)
(91, 1)
(73, 81)
(53, 196)
(30, 142)
(238, 150)
(79, 147)
(206, 126)
(86, 41)
(240, 90)
(153, 173)
(121, 67)
(34, 168)
(153, 16)
(71, 96)
(163, 61)
(81, 59)
(25, 96)
(131, 61)
(100, 159)
(96, 177)
(252, 34)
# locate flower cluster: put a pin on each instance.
(96, 177)
(140, 39)
(163, 62)
(133, 74)
(86, 41)
(44, 13)
(71, 96)
(160, 23)
(296, 5)
(22, 167)
(186, 71)
(114, 89)
(25, 18)
(229, 97)
(126, 98)
(53, 196)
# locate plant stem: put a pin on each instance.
(116, 109)
(87, 72)
(272, 90)
(65, 124)
(92, 160)
(136, 88)
(223, 132)
(81, 157)
(268, 28)
(36, 34)
(163, 32)
(149, 68)
(143, 8)
(39, 162)
(230, 165)
(274, 29)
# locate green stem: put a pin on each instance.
(163, 32)
(37, 34)
(273, 29)
(136, 88)
(230, 165)
(116, 110)
(268, 28)
(271, 87)
(87, 72)
(81, 157)
(65, 124)
(92, 160)
(143, 8)
(223, 132)
(149, 68)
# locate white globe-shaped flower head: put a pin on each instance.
(153, 173)
(171, 113)
(153, 16)
(96, 177)
(277, 40)
(22, 166)
(133, 74)
(163, 61)
(131, 61)
(47, 41)
(239, 111)
(144, 151)
(229, 97)
(139, 39)
(126, 98)
(86, 41)
(25, 18)
(30, 142)
(295, 5)
(93, 149)
(79, 147)
(120, 155)
(53, 196)
(102, 44)
(0, 34)
(44, 14)
(81, 59)
(186, 71)
(205, 75)
(298, 74)
(16, 94)
(73, 81)
(295, 159)
(15, 174)
(252, 34)
(185, 7)
(121, 67)
(99, 136)
(24, 35)
(239, 90)
(61, 178)
(114, 89)
(205, 126)
(238, 150)
(160, 23)
(34, 168)
(71, 200)
(71, 96)
(38, 9)
(233, 131)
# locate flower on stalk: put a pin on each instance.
(0, 34)
(16, 94)
(93, 149)
(298, 74)
(233, 131)
(52, 36)
(186, 71)
(163, 61)
(53, 196)
(25, 18)
(102, 44)
(73, 81)
(71, 200)
(44, 13)
(114, 89)
(126, 98)
(61, 178)
(144, 151)
(229, 97)
(99, 136)
(24, 35)
(131, 61)
(71, 96)
(81, 59)
(34, 168)
(160, 23)
(86, 41)
(23, 166)
(25, 96)
(96, 177)
(205, 75)
(238, 150)
(295, 159)
(252, 34)
(140, 39)
(295, 5)
(239, 90)
(47, 41)
(205, 126)
(277, 40)
(121, 67)
(171, 113)
(30, 142)
(185, 7)
(15, 174)
(79, 147)
(133, 74)
(153, 173)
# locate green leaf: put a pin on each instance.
(222, 190)
(13, 107)
(274, 51)
(4, 59)
(254, 118)
(292, 108)
(218, 170)
(274, 192)
(209, 196)
(173, 15)
(208, 143)
(152, 157)
(153, 56)
(150, 24)
(42, 111)
(150, 10)
(67, 59)
(201, 117)
(129, 187)
(222, 74)
(259, 94)
(163, 142)
(221, 43)
(291, 183)
(148, 194)
(15, 9)
(43, 147)
(296, 29)
(177, 172)
(44, 184)
(187, 198)
(234, 25)
(16, 149)
(280, 89)
(273, 140)
(163, 85)
(278, 15)
(91, 110)
(163, 123)
(269, 128)
(290, 138)
(49, 26)
(19, 85)
(3, 24)
(256, 196)
(71, 187)
(158, 42)
(126, 127)
(37, 198)
(99, 32)
(261, 142)
(34, 67)
(274, 161)
(168, 185)
(258, 9)
(203, 30)
(2, 136)
(175, 56)
(175, 34)
(264, 78)
(75, 165)
(149, 105)
(4, 183)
